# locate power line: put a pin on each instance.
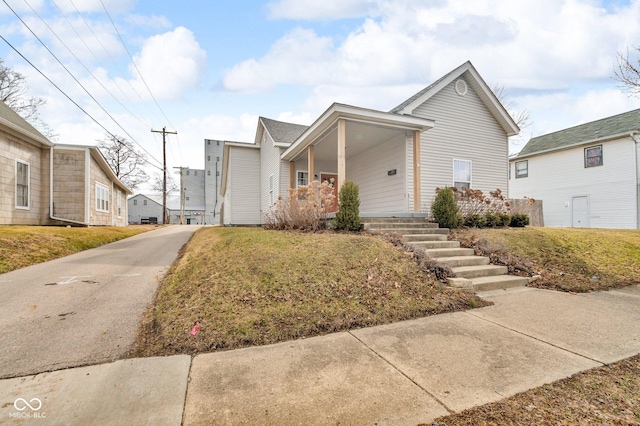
(76, 80)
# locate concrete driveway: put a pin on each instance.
(85, 308)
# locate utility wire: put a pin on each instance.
(76, 80)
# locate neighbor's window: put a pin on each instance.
(270, 190)
(208, 172)
(593, 156)
(208, 158)
(303, 178)
(462, 174)
(144, 202)
(522, 169)
(119, 193)
(102, 198)
(135, 202)
(22, 185)
(195, 173)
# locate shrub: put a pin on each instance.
(348, 215)
(444, 208)
(305, 209)
(519, 220)
(505, 219)
(474, 221)
(491, 220)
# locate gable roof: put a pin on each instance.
(282, 133)
(10, 119)
(601, 130)
(477, 83)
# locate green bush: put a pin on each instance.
(445, 209)
(505, 219)
(348, 215)
(519, 220)
(474, 221)
(491, 220)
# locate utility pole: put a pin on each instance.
(183, 191)
(164, 170)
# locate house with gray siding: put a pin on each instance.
(587, 176)
(452, 133)
(42, 183)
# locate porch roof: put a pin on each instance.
(327, 121)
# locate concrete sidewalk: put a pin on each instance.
(402, 373)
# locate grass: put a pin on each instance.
(247, 286)
(604, 395)
(575, 260)
(22, 246)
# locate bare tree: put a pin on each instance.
(157, 186)
(13, 92)
(126, 162)
(627, 72)
(522, 117)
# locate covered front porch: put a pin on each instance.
(377, 150)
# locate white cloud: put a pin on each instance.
(320, 10)
(150, 21)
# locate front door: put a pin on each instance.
(327, 177)
(580, 212)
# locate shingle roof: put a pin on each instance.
(420, 93)
(599, 129)
(11, 116)
(282, 132)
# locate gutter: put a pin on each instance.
(51, 216)
(633, 136)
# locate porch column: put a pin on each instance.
(310, 162)
(292, 174)
(342, 146)
(416, 171)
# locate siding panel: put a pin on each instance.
(243, 187)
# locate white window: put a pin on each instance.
(593, 156)
(270, 190)
(102, 198)
(462, 174)
(23, 182)
(522, 169)
(119, 203)
(302, 178)
(144, 202)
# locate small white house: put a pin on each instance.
(587, 176)
(453, 133)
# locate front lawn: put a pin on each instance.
(237, 287)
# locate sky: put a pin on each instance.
(208, 69)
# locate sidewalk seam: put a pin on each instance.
(536, 338)
(186, 390)
(403, 373)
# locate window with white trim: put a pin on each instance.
(102, 198)
(302, 178)
(23, 185)
(144, 202)
(522, 169)
(462, 174)
(593, 156)
(270, 190)
(119, 193)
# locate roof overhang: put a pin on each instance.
(575, 145)
(30, 137)
(329, 118)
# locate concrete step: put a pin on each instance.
(410, 238)
(457, 261)
(449, 252)
(405, 231)
(394, 225)
(499, 282)
(394, 220)
(429, 245)
(479, 271)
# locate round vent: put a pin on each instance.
(461, 87)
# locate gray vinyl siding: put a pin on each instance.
(139, 211)
(380, 192)
(269, 165)
(243, 187)
(557, 177)
(464, 130)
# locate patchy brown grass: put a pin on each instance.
(22, 246)
(606, 395)
(575, 260)
(247, 286)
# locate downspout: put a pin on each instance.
(637, 147)
(51, 216)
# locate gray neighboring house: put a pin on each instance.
(587, 176)
(213, 153)
(453, 133)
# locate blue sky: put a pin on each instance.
(215, 66)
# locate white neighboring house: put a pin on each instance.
(453, 133)
(587, 176)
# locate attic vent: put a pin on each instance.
(461, 87)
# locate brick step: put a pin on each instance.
(404, 231)
(457, 261)
(479, 271)
(411, 238)
(430, 245)
(394, 225)
(499, 282)
(449, 252)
